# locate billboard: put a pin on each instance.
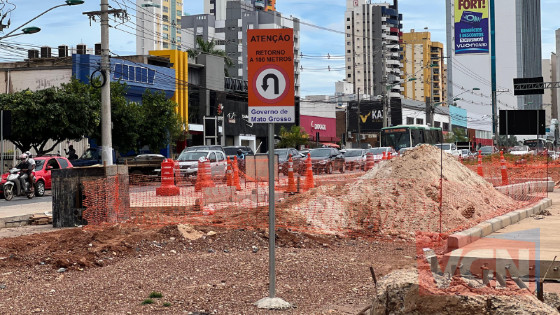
(370, 117)
(522, 122)
(471, 26)
(271, 75)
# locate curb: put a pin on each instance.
(463, 238)
(14, 221)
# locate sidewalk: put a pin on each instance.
(15, 213)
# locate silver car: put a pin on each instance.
(188, 162)
(355, 158)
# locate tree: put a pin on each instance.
(125, 117)
(292, 138)
(506, 142)
(56, 114)
(209, 48)
(160, 122)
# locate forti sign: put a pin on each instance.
(271, 75)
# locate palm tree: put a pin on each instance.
(208, 48)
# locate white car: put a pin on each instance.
(188, 162)
(450, 148)
(521, 150)
(378, 152)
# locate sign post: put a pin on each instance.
(270, 55)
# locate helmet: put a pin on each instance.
(28, 154)
(23, 157)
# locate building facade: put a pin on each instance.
(423, 67)
(158, 25)
(228, 29)
(372, 56)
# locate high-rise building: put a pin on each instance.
(372, 47)
(230, 33)
(218, 8)
(517, 32)
(423, 67)
(158, 25)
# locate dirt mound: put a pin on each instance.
(399, 293)
(400, 196)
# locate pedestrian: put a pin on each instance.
(241, 160)
(71, 153)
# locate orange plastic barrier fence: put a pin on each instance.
(345, 204)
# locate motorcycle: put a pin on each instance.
(13, 186)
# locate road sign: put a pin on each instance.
(271, 75)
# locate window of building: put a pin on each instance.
(348, 27)
(349, 67)
(348, 51)
(165, 9)
(349, 75)
(419, 121)
(179, 13)
(347, 35)
(166, 28)
(349, 59)
(445, 126)
(409, 121)
(165, 36)
(348, 43)
(437, 124)
(165, 45)
(348, 19)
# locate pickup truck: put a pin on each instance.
(143, 164)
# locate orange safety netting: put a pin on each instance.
(349, 203)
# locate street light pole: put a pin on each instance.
(68, 3)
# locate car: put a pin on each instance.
(188, 162)
(231, 151)
(205, 148)
(449, 148)
(43, 168)
(92, 156)
(378, 152)
(298, 160)
(403, 150)
(487, 150)
(355, 158)
(327, 160)
(521, 150)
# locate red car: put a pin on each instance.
(43, 167)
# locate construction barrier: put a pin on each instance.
(291, 180)
(344, 204)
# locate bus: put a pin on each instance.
(539, 144)
(406, 136)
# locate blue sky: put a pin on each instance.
(67, 25)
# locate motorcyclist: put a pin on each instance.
(25, 169)
(31, 175)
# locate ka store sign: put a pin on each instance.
(271, 75)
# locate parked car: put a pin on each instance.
(297, 159)
(327, 160)
(188, 162)
(92, 156)
(43, 168)
(378, 152)
(355, 158)
(231, 151)
(488, 150)
(521, 150)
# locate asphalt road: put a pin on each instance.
(24, 201)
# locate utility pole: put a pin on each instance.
(106, 137)
(359, 122)
(385, 89)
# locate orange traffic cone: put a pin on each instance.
(229, 173)
(236, 182)
(504, 169)
(384, 156)
(291, 180)
(389, 156)
(308, 184)
(370, 162)
(479, 168)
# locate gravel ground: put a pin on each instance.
(112, 271)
